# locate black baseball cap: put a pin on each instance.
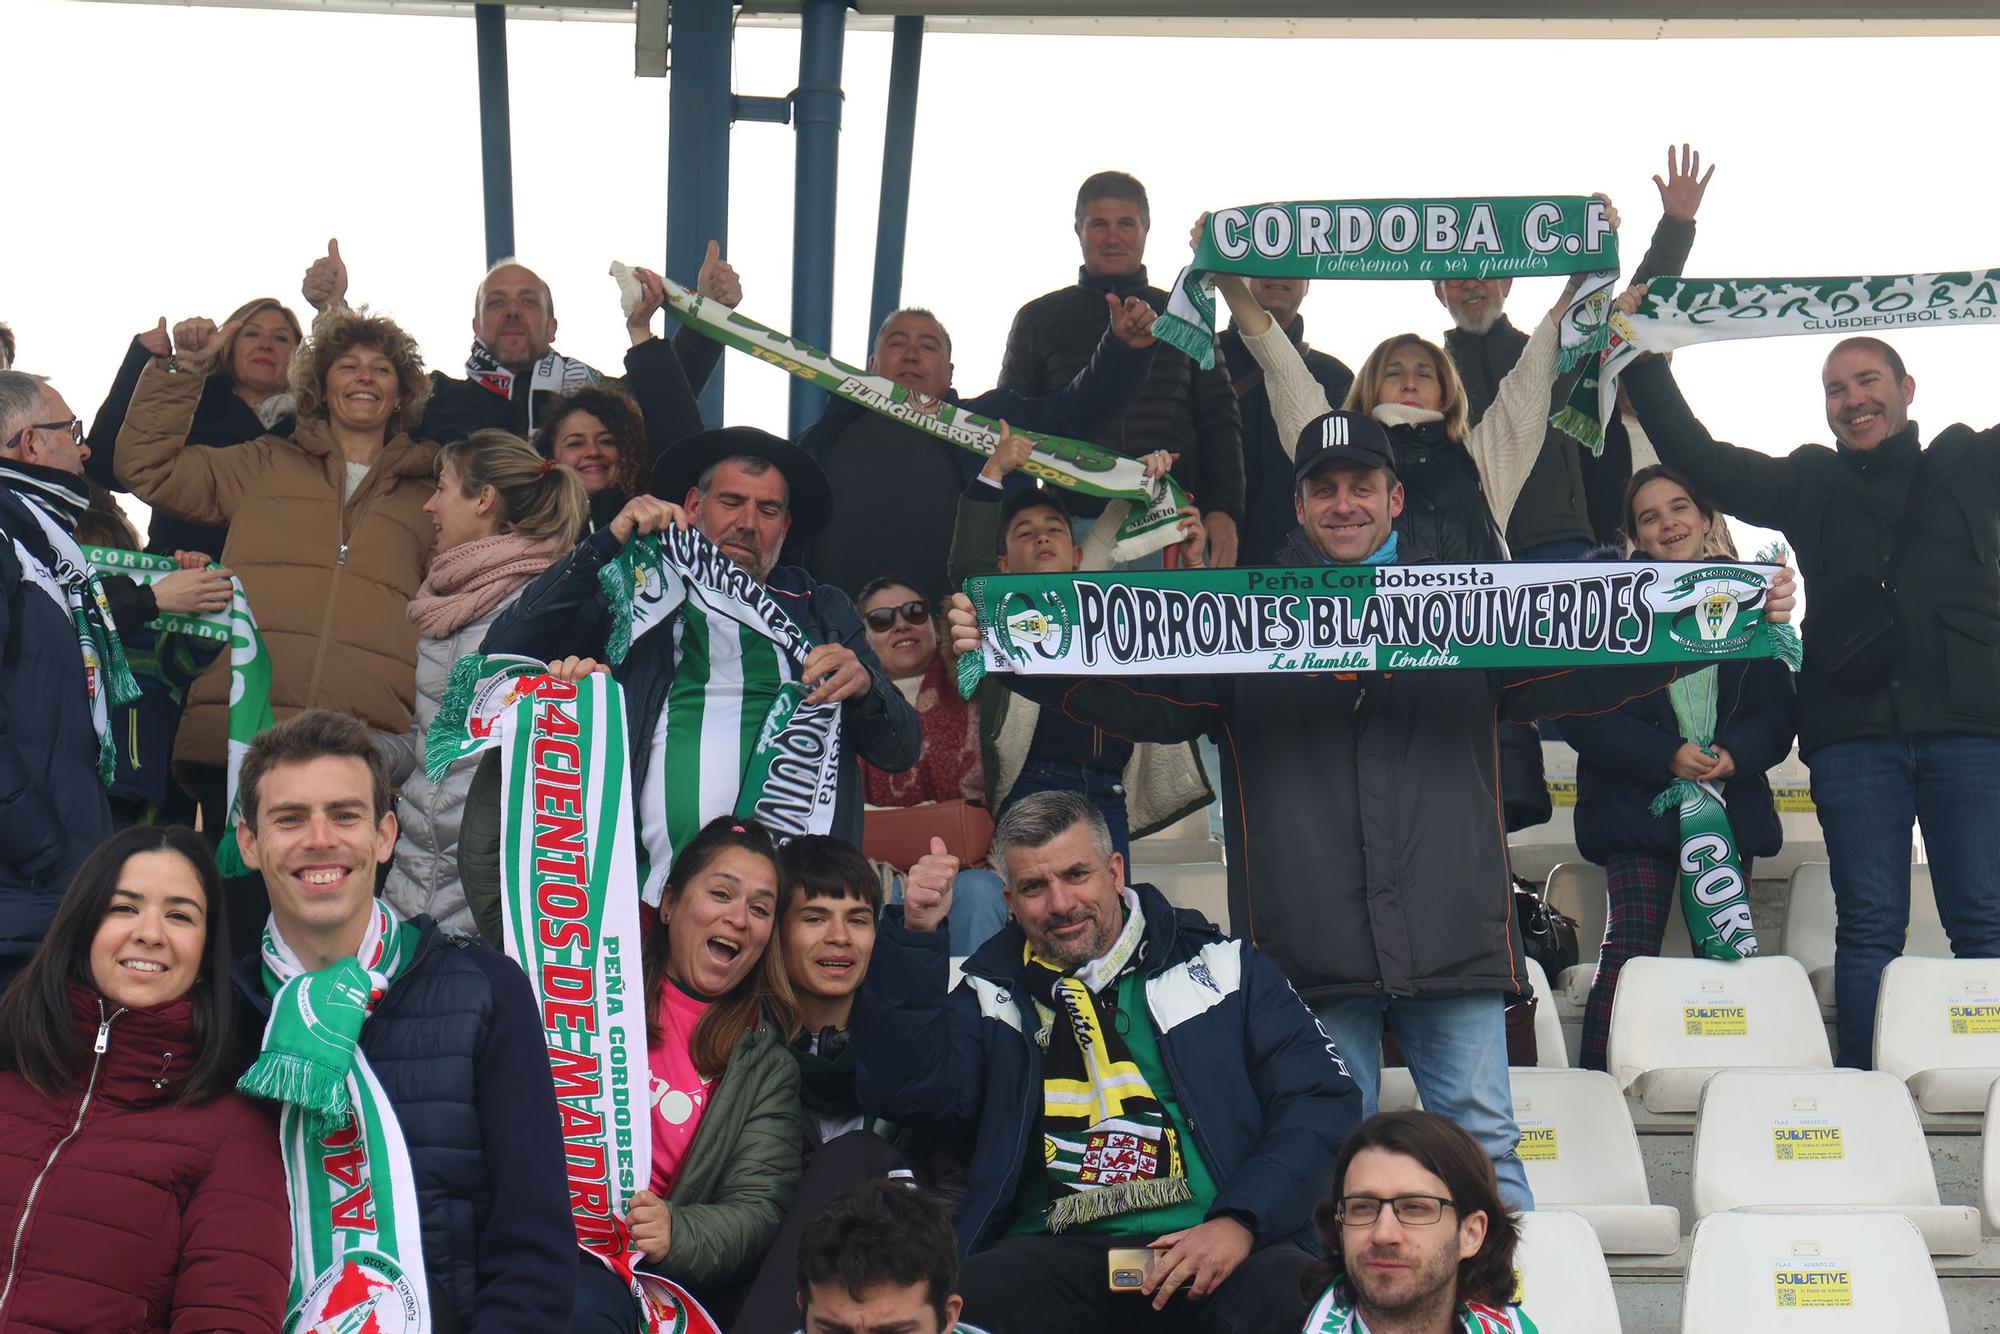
(1342, 437)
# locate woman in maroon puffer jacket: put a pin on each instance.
(138, 1192)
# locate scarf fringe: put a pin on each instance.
(1581, 427)
(287, 1077)
(1126, 1197)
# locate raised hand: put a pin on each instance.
(1131, 320)
(1610, 209)
(647, 514)
(1628, 300)
(1685, 184)
(927, 888)
(198, 341)
(156, 341)
(836, 673)
(325, 284)
(652, 295)
(1010, 453)
(575, 669)
(718, 280)
(193, 590)
(964, 623)
(1193, 545)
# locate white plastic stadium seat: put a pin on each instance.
(1937, 1027)
(1821, 1141)
(1989, 1164)
(1564, 1284)
(1775, 1273)
(1583, 1158)
(1551, 1052)
(1578, 889)
(1809, 922)
(1675, 1022)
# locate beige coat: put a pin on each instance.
(328, 582)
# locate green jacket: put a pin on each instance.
(737, 1180)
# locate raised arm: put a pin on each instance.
(1754, 487)
(1515, 430)
(197, 482)
(101, 466)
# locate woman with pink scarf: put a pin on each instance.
(503, 515)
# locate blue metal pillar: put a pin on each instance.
(698, 111)
(496, 151)
(898, 140)
(816, 117)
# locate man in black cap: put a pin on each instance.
(745, 490)
(1366, 850)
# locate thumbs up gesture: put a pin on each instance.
(718, 280)
(325, 284)
(197, 341)
(156, 341)
(927, 889)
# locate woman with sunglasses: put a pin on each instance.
(903, 632)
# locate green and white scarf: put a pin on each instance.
(736, 736)
(1333, 1315)
(1715, 898)
(1109, 1146)
(357, 1240)
(570, 918)
(1073, 465)
(249, 667)
(1678, 312)
(71, 582)
(1434, 240)
(1370, 618)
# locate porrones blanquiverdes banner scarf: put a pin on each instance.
(1372, 618)
(249, 666)
(570, 918)
(1434, 240)
(1072, 465)
(1679, 312)
(784, 770)
(357, 1236)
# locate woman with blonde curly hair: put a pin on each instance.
(327, 529)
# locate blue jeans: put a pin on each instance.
(978, 908)
(1103, 788)
(1868, 792)
(1457, 1049)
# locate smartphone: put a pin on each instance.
(1129, 1268)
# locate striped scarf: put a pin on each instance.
(1333, 1314)
(735, 736)
(357, 1243)
(52, 561)
(1108, 1144)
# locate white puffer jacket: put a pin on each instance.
(424, 876)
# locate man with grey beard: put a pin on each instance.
(1551, 520)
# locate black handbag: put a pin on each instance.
(1548, 935)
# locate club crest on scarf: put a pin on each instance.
(1108, 1145)
(365, 1294)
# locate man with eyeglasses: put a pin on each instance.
(1150, 1106)
(54, 687)
(1414, 1238)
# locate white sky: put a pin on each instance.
(182, 160)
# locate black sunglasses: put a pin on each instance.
(915, 612)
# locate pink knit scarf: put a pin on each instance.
(474, 577)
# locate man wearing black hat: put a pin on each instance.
(1366, 850)
(745, 490)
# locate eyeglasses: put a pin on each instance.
(74, 426)
(913, 613)
(1416, 1210)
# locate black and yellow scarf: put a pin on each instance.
(1108, 1144)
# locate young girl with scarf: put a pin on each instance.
(503, 515)
(1721, 727)
(724, 1091)
(141, 1192)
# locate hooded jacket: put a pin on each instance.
(53, 810)
(1839, 509)
(130, 1212)
(328, 580)
(1368, 853)
(457, 1046)
(1183, 408)
(1266, 1098)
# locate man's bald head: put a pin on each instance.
(514, 314)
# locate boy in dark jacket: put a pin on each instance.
(1128, 1077)
(454, 1042)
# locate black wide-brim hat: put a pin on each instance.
(681, 465)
